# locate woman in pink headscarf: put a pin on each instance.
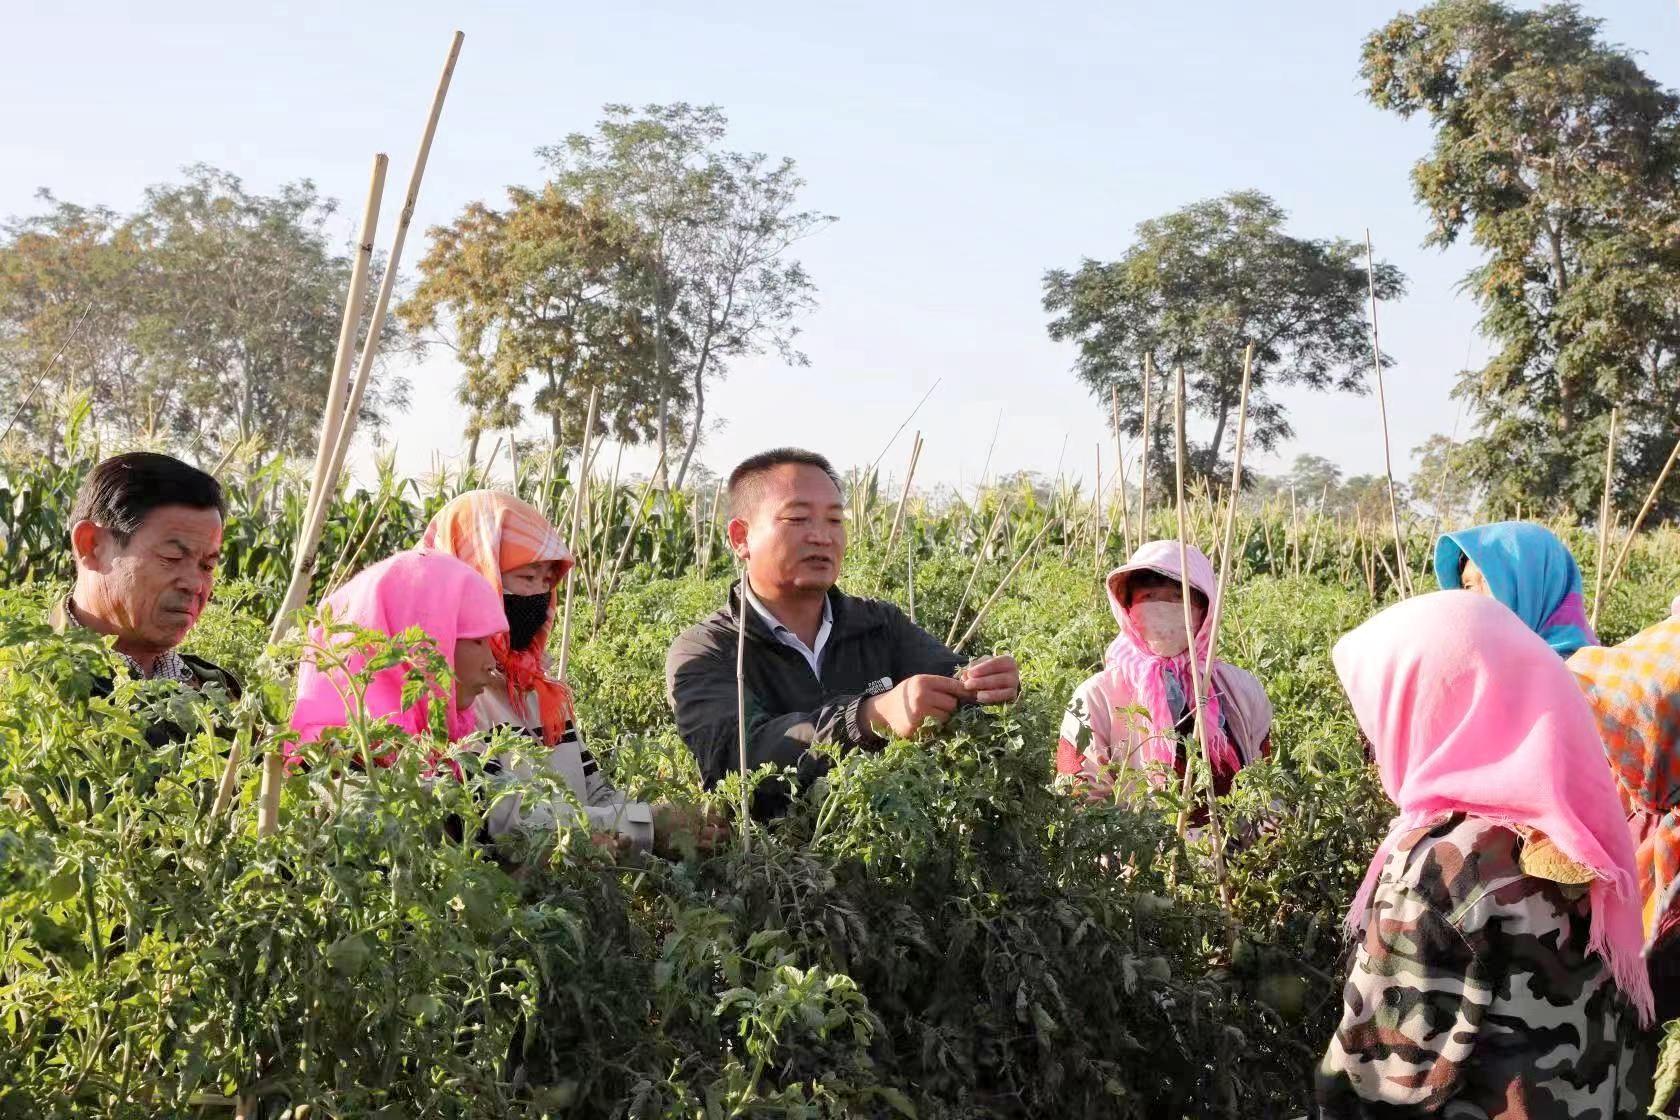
(1499, 973)
(1127, 724)
(447, 600)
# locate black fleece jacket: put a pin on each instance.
(871, 647)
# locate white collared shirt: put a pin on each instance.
(812, 656)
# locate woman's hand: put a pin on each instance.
(683, 831)
(611, 844)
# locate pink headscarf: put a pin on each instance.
(432, 590)
(1145, 670)
(1470, 711)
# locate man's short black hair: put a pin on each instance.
(742, 480)
(123, 490)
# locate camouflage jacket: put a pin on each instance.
(1473, 995)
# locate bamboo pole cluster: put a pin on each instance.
(344, 397)
(343, 404)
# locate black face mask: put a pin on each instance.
(526, 614)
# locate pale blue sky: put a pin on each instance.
(965, 148)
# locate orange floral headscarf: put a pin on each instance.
(495, 532)
(1634, 690)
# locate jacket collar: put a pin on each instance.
(847, 619)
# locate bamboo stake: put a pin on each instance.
(986, 467)
(332, 419)
(1383, 560)
(1382, 411)
(344, 567)
(229, 782)
(75, 329)
(1294, 530)
(303, 559)
(1650, 500)
(1225, 551)
(1318, 527)
(712, 527)
(1143, 468)
(388, 282)
(580, 491)
(904, 495)
(1604, 521)
(1125, 517)
(604, 588)
(741, 706)
(980, 615)
(910, 574)
(1097, 517)
(273, 777)
(900, 429)
(1198, 696)
(979, 558)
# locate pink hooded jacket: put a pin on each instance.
(1120, 721)
(422, 588)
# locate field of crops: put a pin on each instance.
(937, 932)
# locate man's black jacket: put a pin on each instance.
(871, 647)
(159, 734)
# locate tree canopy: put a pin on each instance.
(544, 290)
(1199, 285)
(719, 225)
(1558, 156)
(207, 317)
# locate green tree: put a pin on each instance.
(208, 317)
(1365, 498)
(1199, 285)
(1445, 480)
(1315, 479)
(67, 313)
(241, 311)
(543, 290)
(1558, 155)
(720, 225)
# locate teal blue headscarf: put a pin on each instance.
(1529, 570)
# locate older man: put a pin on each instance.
(821, 666)
(146, 531)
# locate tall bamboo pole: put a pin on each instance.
(1230, 514)
(309, 535)
(337, 388)
(979, 558)
(388, 282)
(1650, 500)
(273, 777)
(904, 495)
(712, 527)
(910, 574)
(741, 705)
(604, 588)
(980, 615)
(1143, 468)
(1125, 517)
(1382, 411)
(1198, 691)
(1604, 520)
(1097, 517)
(580, 494)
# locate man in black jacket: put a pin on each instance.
(821, 666)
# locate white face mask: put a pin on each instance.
(1161, 625)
